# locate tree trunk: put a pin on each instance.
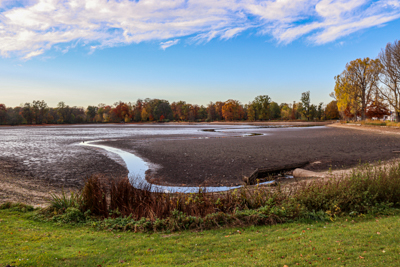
(363, 104)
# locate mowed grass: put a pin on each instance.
(362, 242)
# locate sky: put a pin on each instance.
(86, 52)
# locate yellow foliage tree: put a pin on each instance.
(356, 85)
(144, 115)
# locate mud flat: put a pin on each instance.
(223, 160)
(182, 154)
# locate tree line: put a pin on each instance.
(370, 87)
(262, 108)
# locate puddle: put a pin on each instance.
(137, 168)
(252, 134)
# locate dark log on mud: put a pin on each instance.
(265, 172)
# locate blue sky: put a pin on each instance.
(96, 51)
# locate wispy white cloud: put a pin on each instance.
(34, 26)
(33, 54)
(165, 45)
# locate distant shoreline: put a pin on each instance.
(294, 122)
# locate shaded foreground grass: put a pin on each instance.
(344, 242)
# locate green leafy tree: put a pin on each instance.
(27, 113)
(320, 111)
(261, 106)
(39, 109)
(305, 104)
(162, 108)
(14, 116)
(91, 112)
(313, 112)
(275, 111)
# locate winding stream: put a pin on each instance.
(137, 168)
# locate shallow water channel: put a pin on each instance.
(137, 168)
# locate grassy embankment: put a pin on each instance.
(95, 226)
(362, 242)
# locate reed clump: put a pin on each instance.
(115, 198)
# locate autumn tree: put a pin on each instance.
(390, 76)
(232, 110)
(218, 109)
(193, 110)
(376, 108)
(357, 83)
(211, 112)
(347, 96)
(180, 110)
(286, 111)
(144, 115)
(332, 111)
(294, 111)
(121, 111)
(251, 112)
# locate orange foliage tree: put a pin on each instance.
(232, 110)
(121, 110)
(377, 109)
(332, 111)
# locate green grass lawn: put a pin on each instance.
(365, 242)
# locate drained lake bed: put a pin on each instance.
(182, 155)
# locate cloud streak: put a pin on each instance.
(165, 45)
(34, 26)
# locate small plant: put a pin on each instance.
(61, 203)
